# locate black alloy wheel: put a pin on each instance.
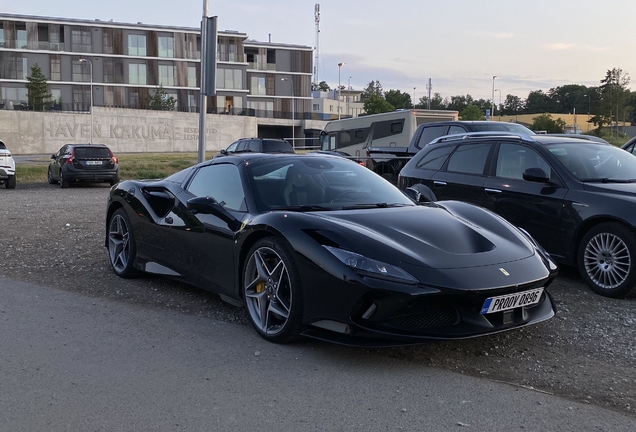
(122, 249)
(49, 177)
(272, 291)
(607, 259)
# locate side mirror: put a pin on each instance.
(536, 174)
(208, 205)
(223, 152)
(420, 193)
(52, 156)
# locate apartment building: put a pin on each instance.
(123, 64)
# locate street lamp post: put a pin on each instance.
(349, 97)
(499, 90)
(90, 63)
(291, 80)
(414, 96)
(492, 102)
(589, 109)
(339, 67)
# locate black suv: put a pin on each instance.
(259, 145)
(93, 163)
(576, 197)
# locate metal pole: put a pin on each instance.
(203, 101)
(414, 97)
(90, 64)
(492, 101)
(339, 68)
(291, 80)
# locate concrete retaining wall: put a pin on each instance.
(123, 130)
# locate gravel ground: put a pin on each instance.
(586, 353)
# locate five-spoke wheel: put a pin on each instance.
(121, 244)
(272, 292)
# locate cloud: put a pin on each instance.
(361, 22)
(558, 46)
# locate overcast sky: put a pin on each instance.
(459, 44)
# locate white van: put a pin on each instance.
(391, 129)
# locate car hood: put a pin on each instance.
(454, 235)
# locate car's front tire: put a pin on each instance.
(607, 259)
(122, 249)
(11, 182)
(272, 291)
(49, 177)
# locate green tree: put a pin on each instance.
(321, 86)
(38, 89)
(538, 102)
(545, 122)
(376, 104)
(398, 99)
(161, 100)
(512, 105)
(374, 88)
(472, 112)
(437, 102)
(615, 95)
(459, 102)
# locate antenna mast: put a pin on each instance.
(316, 52)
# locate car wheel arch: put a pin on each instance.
(589, 224)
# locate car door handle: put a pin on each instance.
(439, 183)
(492, 191)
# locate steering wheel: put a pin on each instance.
(343, 194)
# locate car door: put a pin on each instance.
(533, 206)
(203, 244)
(464, 174)
(59, 160)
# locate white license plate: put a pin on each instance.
(93, 162)
(511, 301)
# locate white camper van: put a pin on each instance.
(391, 129)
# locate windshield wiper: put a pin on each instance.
(302, 208)
(608, 180)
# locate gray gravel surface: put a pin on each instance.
(586, 353)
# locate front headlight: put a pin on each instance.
(370, 267)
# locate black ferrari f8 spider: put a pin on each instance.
(320, 246)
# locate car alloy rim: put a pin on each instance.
(607, 260)
(118, 247)
(268, 290)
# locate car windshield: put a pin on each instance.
(316, 182)
(591, 162)
(502, 126)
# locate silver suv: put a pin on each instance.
(7, 167)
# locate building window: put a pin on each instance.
(137, 45)
(1, 38)
(81, 71)
(81, 40)
(166, 46)
(22, 39)
(137, 73)
(108, 43)
(56, 70)
(56, 96)
(81, 99)
(316, 107)
(133, 99)
(192, 76)
(229, 79)
(192, 103)
(258, 86)
(166, 75)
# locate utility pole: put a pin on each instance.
(429, 87)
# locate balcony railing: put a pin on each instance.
(51, 46)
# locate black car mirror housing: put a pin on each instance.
(536, 174)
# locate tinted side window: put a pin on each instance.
(434, 159)
(456, 130)
(241, 145)
(387, 128)
(430, 133)
(221, 182)
(514, 159)
(469, 159)
(253, 145)
(274, 146)
(232, 147)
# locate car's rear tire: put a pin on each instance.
(273, 292)
(122, 249)
(63, 183)
(50, 178)
(11, 182)
(607, 259)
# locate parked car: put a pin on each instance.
(388, 161)
(259, 145)
(580, 136)
(94, 163)
(576, 197)
(7, 167)
(320, 246)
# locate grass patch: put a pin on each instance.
(135, 166)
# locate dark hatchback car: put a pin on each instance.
(259, 145)
(91, 163)
(577, 198)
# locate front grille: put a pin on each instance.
(425, 313)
